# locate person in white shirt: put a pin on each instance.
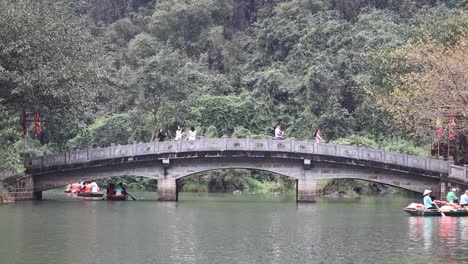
(192, 134)
(464, 199)
(178, 133)
(278, 132)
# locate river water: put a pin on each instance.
(209, 228)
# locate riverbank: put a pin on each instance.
(5, 197)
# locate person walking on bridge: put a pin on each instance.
(192, 134)
(178, 134)
(317, 136)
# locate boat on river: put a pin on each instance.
(91, 194)
(117, 197)
(448, 210)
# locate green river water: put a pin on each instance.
(216, 228)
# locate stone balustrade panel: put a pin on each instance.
(438, 165)
(371, 154)
(260, 144)
(33, 162)
(281, 145)
(77, 156)
(326, 149)
(458, 172)
(168, 146)
(304, 147)
(395, 158)
(54, 160)
(348, 151)
(123, 151)
(417, 162)
(146, 148)
(100, 153)
(236, 144)
(190, 145)
(213, 145)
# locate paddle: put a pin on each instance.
(442, 213)
(131, 197)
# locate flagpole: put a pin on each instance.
(448, 148)
(438, 148)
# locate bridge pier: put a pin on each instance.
(167, 189)
(306, 190)
(37, 196)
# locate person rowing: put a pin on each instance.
(428, 203)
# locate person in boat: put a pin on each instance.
(428, 203)
(85, 187)
(464, 199)
(94, 188)
(111, 189)
(120, 190)
(452, 196)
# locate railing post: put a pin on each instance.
(112, 150)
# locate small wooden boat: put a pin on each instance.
(115, 197)
(418, 210)
(435, 212)
(90, 194)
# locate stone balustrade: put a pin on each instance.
(245, 145)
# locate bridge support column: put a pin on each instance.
(306, 190)
(37, 196)
(167, 189)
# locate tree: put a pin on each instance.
(46, 67)
(163, 80)
(434, 84)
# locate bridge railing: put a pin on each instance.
(233, 144)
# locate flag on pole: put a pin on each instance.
(24, 124)
(451, 128)
(439, 128)
(37, 124)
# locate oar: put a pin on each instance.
(131, 197)
(442, 213)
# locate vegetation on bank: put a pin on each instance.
(253, 182)
(102, 72)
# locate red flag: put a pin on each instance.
(37, 124)
(439, 128)
(451, 129)
(24, 124)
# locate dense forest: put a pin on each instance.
(371, 72)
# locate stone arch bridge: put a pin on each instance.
(304, 161)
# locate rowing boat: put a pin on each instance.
(448, 210)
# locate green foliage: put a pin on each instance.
(211, 132)
(400, 145)
(240, 132)
(392, 144)
(118, 129)
(357, 140)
